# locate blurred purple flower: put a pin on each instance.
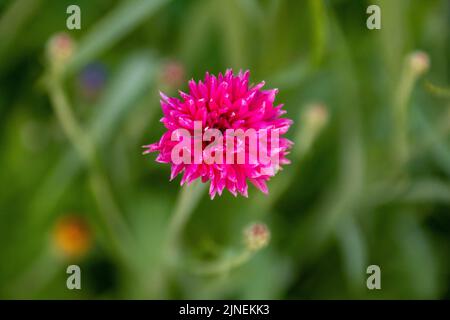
(91, 80)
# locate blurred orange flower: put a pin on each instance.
(72, 236)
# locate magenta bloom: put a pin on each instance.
(218, 106)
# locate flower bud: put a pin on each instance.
(60, 49)
(256, 236)
(72, 236)
(419, 62)
(312, 120)
(316, 115)
(173, 74)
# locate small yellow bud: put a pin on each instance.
(316, 115)
(256, 236)
(60, 48)
(419, 62)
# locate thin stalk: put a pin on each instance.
(186, 203)
(109, 210)
(416, 64)
(225, 266)
(318, 17)
(403, 94)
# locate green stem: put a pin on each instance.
(439, 91)
(186, 203)
(403, 94)
(110, 212)
(225, 266)
(317, 13)
(67, 120)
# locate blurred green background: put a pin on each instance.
(369, 179)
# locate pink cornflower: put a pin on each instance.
(220, 105)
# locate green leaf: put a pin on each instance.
(112, 29)
(353, 250)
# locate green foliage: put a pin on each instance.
(370, 185)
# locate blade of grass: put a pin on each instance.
(318, 16)
(112, 29)
(13, 20)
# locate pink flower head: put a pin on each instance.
(220, 106)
